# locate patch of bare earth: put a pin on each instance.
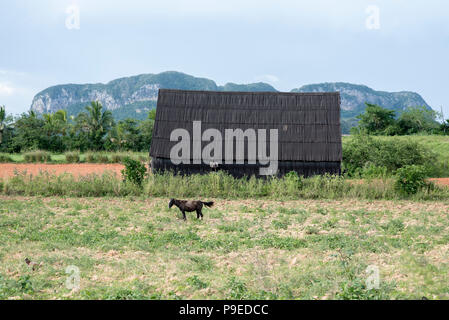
(441, 181)
(7, 170)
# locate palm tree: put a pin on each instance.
(56, 122)
(49, 123)
(32, 114)
(2, 122)
(98, 123)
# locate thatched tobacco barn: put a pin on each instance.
(307, 126)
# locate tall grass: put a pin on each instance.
(96, 157)
(72, 157)
(222, 185)
(37, 156)
(4, 158)
(45, 184)
(115, 157)
(213, 185)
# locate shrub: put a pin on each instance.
(37, 156)
(392, 154)
(102, 158)
(4, 157)
(90, 158)
(134, 171)
(72, 157)
(95, 157)
(411, 179)
(372, 171)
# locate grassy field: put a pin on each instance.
(258, 242)
(136, 248)
(61, 158)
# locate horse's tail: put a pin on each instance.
(208, 204)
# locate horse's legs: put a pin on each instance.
(184, 215)
(201, 214)
(198, 213)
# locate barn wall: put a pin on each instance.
(308, 123)
(303, 168)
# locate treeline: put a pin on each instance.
(93, 129)
(381, 121)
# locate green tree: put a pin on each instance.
(365, 151)
(418, 119)
(61, 121)
(29, 133)
(129, 135)
(444, 127)
(78, 133)
(55, 127)
(375, 119)
(146, 130)
(6, 130)
(2, 122)
(96, 123)
(56, 123)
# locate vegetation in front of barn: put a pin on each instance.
(219, 185)
(248, 249)
(397, 170)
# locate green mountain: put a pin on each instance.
(353, 97)
(128, 97)
(134, 96)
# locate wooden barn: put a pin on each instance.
(301, 131)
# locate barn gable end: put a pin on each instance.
(308, 124)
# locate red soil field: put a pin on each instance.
(81, 169)
(441, 181)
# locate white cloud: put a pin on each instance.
(6, 90)
(12, 73)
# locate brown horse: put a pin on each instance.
(190, 206)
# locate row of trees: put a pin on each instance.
(380, 121)
(93, 129)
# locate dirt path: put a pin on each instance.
(7, 169)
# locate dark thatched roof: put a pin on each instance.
(308, 123)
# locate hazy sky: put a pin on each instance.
(285, 43)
